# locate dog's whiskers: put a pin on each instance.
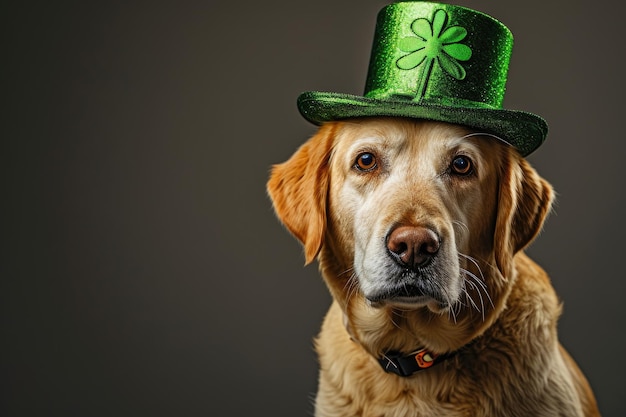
(476, 285)
(477, 280)
(482, 286)
(475, 262)
(460, 223)
(452, 313)
(484, 134)
(482, 302)
(396, 325)
(352, 283)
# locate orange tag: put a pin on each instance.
(425, 359)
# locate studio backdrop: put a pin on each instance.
(143, 269)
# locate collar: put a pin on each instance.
(407, 364)
(403, 364)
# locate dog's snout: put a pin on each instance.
(412, 247)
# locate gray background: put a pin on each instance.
(143, 271)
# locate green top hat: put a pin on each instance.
(437, 62)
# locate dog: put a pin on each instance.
(419, 229)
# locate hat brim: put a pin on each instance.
(524, 131)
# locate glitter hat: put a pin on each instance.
(437, 62)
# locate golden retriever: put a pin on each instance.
(419, 229)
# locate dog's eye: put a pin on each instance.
(365, 162)
(461, 165)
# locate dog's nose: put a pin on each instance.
(412, 247)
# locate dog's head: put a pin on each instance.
(411, 219)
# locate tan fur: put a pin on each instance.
(508, 360)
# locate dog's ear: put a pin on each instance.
(524, 201)
(299, 187)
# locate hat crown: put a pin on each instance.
(439, 54)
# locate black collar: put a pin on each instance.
(407, 364)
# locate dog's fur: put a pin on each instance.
(475, 294)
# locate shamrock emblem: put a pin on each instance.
(434, 43)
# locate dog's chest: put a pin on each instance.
(403, 404)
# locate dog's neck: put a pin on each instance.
(403, 364)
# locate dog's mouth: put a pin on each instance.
(434, 283)
(409, 296)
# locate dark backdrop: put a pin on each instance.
(143, 271)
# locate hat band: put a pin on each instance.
(404, 97)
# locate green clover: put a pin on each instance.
(434, 43)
